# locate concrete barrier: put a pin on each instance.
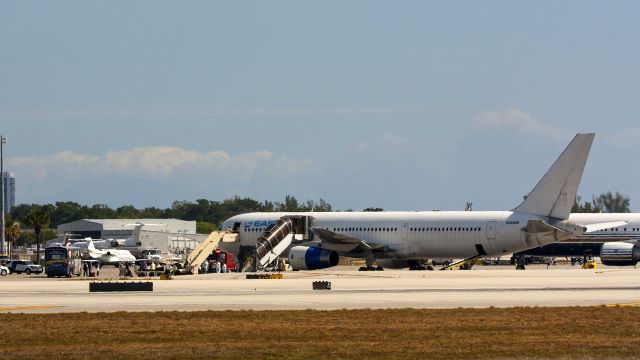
(321, 285)
(120, 286)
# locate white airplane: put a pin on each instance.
(132, 241)
(542, 218)
(616, 246)
(109, 256)
(83, 244)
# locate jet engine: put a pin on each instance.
(312, 258)
(619, 254)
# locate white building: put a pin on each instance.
(161, 234)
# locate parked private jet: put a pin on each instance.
(109, 256)
(132, 241)
(412, 237)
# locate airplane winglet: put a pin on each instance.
(555, 194)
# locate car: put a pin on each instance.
(20, 266)
(4, 270)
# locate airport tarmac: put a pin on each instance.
(485, 287)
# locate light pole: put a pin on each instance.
(3, 140)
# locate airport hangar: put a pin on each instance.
(167, 235)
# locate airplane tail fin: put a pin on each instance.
(136, 232)
(90, 246)
(555, 194)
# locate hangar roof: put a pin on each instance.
(170, 225)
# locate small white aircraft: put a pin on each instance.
(132, 241)
(110, 256)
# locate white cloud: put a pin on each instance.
(159, 162)
(154, 161)
(517, 120)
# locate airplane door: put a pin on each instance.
(405, 231)
(491, 229)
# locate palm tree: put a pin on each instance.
(12, 232)
(37, 219)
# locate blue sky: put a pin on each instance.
(404, 105)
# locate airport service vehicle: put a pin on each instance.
(24, 266)
(4, 270)
(62, 261)
(150, 254)
(317, 240)
(223, 257)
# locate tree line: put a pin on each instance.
(605, 202)
(202, 210)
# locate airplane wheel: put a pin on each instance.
(379, 268)
(363, 268)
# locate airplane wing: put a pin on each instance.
(593, 235)
(603, 226)
(345, 244)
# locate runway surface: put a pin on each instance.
(350, 290)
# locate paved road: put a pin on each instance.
(350, 290)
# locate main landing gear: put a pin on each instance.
(371, 268)
(519, 262)
(416, 265)
(370, 260)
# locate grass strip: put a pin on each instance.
(540, 332)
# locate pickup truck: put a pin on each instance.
(20, 266)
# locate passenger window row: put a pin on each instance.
(436, 229)
(385, 229)
(618, 229)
